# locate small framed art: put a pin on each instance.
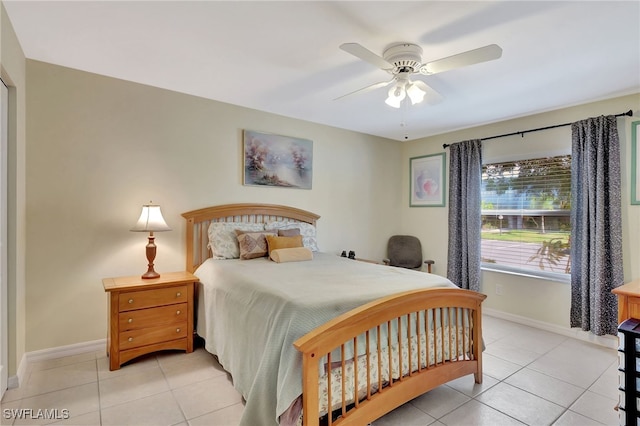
(427, 180)
(274, 160)
(635, 162)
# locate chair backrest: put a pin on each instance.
(404, 251)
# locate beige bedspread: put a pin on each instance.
(251, 312)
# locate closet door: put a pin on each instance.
(4, 118)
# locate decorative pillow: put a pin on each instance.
(223, 241)
(294, 254)
(275, 243)
(288, 232)
(252, 244)
(307, 231)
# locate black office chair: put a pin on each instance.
(405, 251)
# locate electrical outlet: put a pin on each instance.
(499, 290)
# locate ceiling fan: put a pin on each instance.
(401, 60)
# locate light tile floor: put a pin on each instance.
(531, 377)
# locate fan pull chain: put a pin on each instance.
(403, 123)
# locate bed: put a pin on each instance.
(325, 340)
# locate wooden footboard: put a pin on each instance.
(404, 346)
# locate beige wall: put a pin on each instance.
(98, 148)
(12, 71)
(539, 300)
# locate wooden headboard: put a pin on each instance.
(198, 224)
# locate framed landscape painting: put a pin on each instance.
(427, 180)
(275, 160)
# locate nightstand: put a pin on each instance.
(148, 315)
(628, 300)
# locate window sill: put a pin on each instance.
(548, 276)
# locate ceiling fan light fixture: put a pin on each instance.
(404, 59)
(397, 93)
(393, 102)
(415, 93)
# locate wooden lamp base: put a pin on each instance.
(151, 255)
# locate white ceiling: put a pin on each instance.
(283, 57)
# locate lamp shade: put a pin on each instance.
(405, 87)
(416, 94)
(151, 220)
(396, 95)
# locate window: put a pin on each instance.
(526, 214)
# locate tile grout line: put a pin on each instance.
(184, 415)
(564, 409)
(99, 394)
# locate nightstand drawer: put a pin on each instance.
(150, 317)
(161, 333)
(150, 298)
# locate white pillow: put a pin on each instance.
(307, 230)
(223, 240)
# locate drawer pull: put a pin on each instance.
(178, 312)
(178, 294)
(130, 320)
(177, 330)
(130, 301)
(131, 339)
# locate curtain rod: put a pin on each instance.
(522, 133)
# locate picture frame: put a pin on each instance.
(427, 184)
(635, 162)
(277, 161)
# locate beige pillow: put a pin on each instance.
(253, 244)
(307, 231)
(289, 232)
(294, 254)
(275, 243)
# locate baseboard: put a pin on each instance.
(607, 341)
(53, 353)
(99, 345)
(62, 351)
(14, 381)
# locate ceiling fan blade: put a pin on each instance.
(367, 88)
(431, 96)
(482, 54)
(366, 55)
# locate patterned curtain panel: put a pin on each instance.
(465, 221)
(596, 246)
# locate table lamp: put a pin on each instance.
(151, 221)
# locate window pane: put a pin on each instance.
(526, 208)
